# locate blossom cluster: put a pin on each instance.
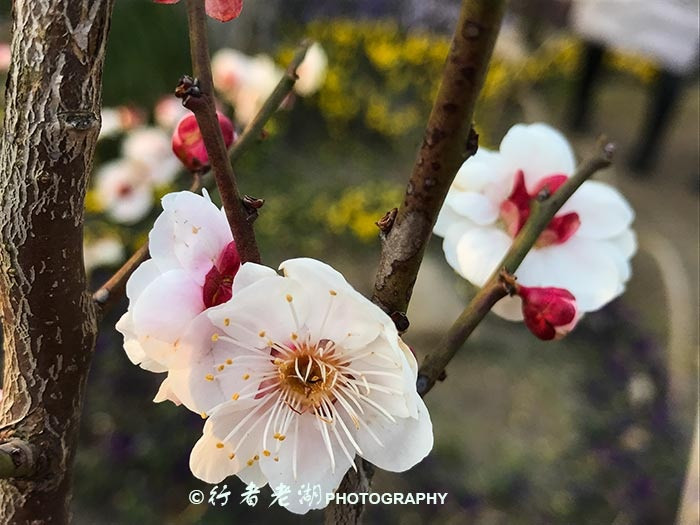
(295, 374)
(246, 82)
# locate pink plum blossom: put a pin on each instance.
(297, 375)
(586, 248)
(221, 10)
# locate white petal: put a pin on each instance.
(479, 252)
(313, 463)
(486, 173)
(446, 218)
(539, 150)
(269, 309)
(165, 393)
(210, 463)
(602, 210)
(585, 267)
(406, 442)
(144, 275)
(191, 233)
(474, 206)
(509, 308)
(250, 273)
(166, 306)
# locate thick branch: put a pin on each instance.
(495, 289)
(205, 112)
(49, 322)
(448, 142)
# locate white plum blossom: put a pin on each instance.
(106, 251)
(297, 375)
(586, 248)
(312, 71)
(151, 146)
(193, 262)
(124, 190)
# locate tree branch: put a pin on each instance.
(448, 142)
(284, 87)
(204, 111)
(17, 459)
(497, 287)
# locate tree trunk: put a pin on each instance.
(49, 321)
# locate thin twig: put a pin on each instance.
(543, 210)
(254, 129)
(17, 459)
(204, 111)
(449, 140)
(114, 287)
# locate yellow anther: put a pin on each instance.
(276, 458)
(203, 415)
(227, 321)
(215, 337)
(289, 298)
(266, 453)
(277, 435)
(235, 396)
(220, 368)
(281, 437)
(246, 377)
(231, 455)
(219, 445)
(209, 377)
(262, 333)
(294, 336)
(256, 457)
(229, 361)
(250, 462)
(333, 292)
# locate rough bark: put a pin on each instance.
(48, 317)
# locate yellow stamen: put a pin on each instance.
(219, 445)
(209, 377)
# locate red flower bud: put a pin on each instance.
(550, 313)
(188, 143)
(221, 10)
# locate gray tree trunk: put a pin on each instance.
(49, 321)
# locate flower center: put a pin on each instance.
(515, 211)
(308, 376)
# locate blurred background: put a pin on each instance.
(593, 429)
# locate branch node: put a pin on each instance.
(387, 221)
(187, 88)
(509, 281)
(472, 143)
(400, 321)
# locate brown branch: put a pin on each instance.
(114, 287)
(284, 87)
(497, 287)
(449, 141)
(204, 111)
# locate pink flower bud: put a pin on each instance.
(188, 143)
(550, 313)
(221, 10)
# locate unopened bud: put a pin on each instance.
(188, 143)
(550, 313)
